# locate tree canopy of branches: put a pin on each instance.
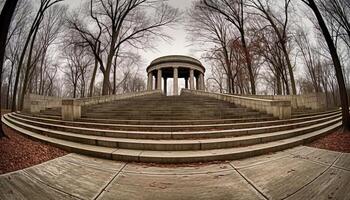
(124, 22)
(210, 29)
(233, 11)
(44, 6)
(279, 26)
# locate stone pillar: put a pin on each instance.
(165, 85)
(201, 81)
(175, 82)
(36, 106)
(191, 79)
(159, 79)
(150, 81)
(186, 82)
(71, 109)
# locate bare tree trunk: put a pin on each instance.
(9, 86)
(28, 70)
(290, 70)
(106, 86)
(278, 82)
(42, 82)
(92, 83)
(19, 68)
(45, 4)
(5, 21)
(336, 63)
(249, 64)
(228, 66)
(115, 75)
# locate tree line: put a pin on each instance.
(89, 50)
(252, 46)
(262, 44)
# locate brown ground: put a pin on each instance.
(18, 152)
(4, 111)
(336, 141)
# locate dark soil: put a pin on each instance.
(336, 141)
(18, 152)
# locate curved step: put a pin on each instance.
(174, 145)
(177, 156)
(313, 113)
(160, 122)
(173, 128)
(173, 135)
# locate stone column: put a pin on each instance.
(159, 79)
(71, 109)
(150, 81)
(201, 81)
(165, 85)
(191, 79)
(175, 82)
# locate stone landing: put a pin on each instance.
(298, 173)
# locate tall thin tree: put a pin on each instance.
(5, 21)
(336, 62)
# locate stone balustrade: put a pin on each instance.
(71, 108)
(34, 103)
(278, 108)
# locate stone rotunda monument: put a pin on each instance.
(175, 66)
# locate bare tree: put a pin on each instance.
(123, 22)
(337, 12)
(274, 59)
(233, 11)
(52, 24)
(311, 59)
(128, 68)
(44, 5)
(336, 62)
(279, 25)
(210, 29)
(75, 70)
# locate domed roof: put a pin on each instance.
(175, 58)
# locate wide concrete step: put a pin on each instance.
(158, 135)
(313, 113)
(172, 116)
(164, 121)
(173, 112)
(172, 109)
(175, 145)
(177, 156)
(172, 127)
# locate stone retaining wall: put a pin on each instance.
(316, 101)
(278, 108)
(34, 103)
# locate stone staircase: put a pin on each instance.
(160, 107)
(178, 129)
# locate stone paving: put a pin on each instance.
(298, 173)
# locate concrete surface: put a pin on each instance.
(298, 173)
